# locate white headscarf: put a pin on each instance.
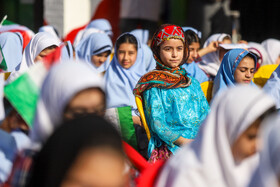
(210, 62)
(260, 51)
(272, 86)
(268, 171)
(49, 29)
(141, 34)
(208, 161)
(37, 44)
(63, 81)
(120, 82)
(82, 34)
(96, 26)
(272, 47)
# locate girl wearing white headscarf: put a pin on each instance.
(272, 47)
(212, 159)
(95, 26)
(121, 81)
(211, 62)
(40, 42)
(59, 100)
(268, 171)
(59, 87)
(95, 50)
(37, 44)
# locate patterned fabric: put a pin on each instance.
(162, 77)
(21, 169)
(168, 32)
(160, 153)
(171, 113)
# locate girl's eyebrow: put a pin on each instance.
(173, 46)
(245, 68)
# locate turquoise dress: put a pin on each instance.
(171, 113)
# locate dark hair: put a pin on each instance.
(227, 38)
(126, 38)
(267, 113)
(50, 47)
(191, 37)
(58, 154)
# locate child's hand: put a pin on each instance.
(136, 120)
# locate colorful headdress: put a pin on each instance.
(166, 32)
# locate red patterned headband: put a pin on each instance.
(168, 32)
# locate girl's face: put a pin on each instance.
(127, 54)
(86, 102)
(99, 59)
(96, 167)
(246, 144)
(277, 60)
(172, 52)
(43, 53)
(194, 47)
(245, 71)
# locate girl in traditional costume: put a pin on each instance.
(174, 104)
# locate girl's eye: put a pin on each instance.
(121, 52)
(242, 70)
(131, 53)
(167, 49)
(252, 136)
(180, 48)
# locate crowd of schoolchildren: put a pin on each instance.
(200, 114)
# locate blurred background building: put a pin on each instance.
(252, 20)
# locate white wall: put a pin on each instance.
(66, 15)
(53, 14)
(76, 14)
